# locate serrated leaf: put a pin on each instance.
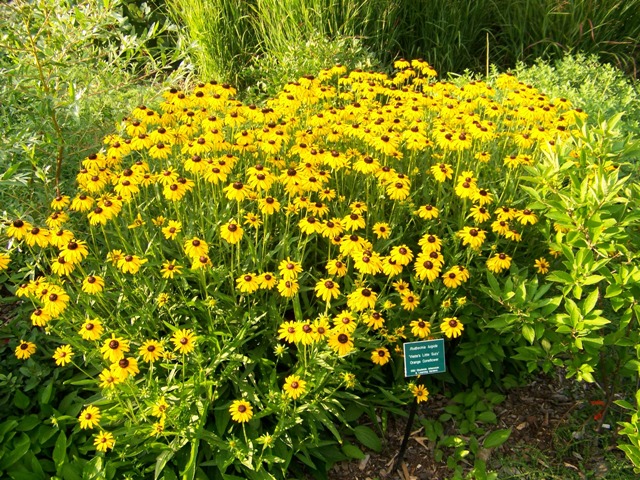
(367, 437)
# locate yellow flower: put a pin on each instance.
(25, 350)
(114, 348)
(451, 327)
(382, 230)
(410, 301)
(499, 262)
(91, 329)
(195, 247)
(63, 355)
(267, 281)
(420, 328)
(294, 387)
(380, 356)
(327, 289)
(131, 264)
(341, 343)
(542, 265)
(427, 212)
(184, 341)
(89, 417)
(362, 299)
(151, 351)
(289, 269)
(108, 379)
(159, 409)
(231, 232)
(472, 237)
(103, 441)
(125, 367)
(248, 283)
(241, 411)
(420, 392)
(170, 269)
(288, 288)
(172, 230)
(93, 284)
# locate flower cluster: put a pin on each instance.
(351, 213)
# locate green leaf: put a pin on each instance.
(92, 469)
(162, 461)
(497, 438)
(45, 395)
(60, 451)
(487, 417)
(352, 451)
(613, 290)
(21, 401)
(560, 277)
(368, 438)
(20, 447)
(590, 302)
(528, 333)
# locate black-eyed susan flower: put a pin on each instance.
(452, 278)
(451, 327)
(420, 328)
(472, 236)
(341, 343)
(184, 341)
(288, 332)
(526, 216)
(157, 428)
(420, 393)
(40, 318)
(63, 355)
(172, 229)
(114, 348)
(294, 387)
(93, 284)
(195, 247)
(61, 267)
(337, 268)
(381, 230)
(426, 268)
(267, 281)
(289, 269)
(104, 441)
(321, 328)
(89, 417)
(170, 269)
(288, 288)
(373, 320)
(107, 379)
(231, 232)
(37, 236)
(60, 202)
(18, 229)
(541, 265)
(391, 267)
(55, 301)
(410, 301)
(499, 262)
(344, 322)
(480, 214)
(327, 289)
(247, 283)
(159, 409)
(25, 350)
(401, 254)
(362, 299)
(151, 351)
(125, 368)
(427, 212)
(131, 264)
(380, 356)
(241, 411)
(91, 329)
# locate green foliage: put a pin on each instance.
(54, 106)
(452, 35)
(463, 434)
(598, 88)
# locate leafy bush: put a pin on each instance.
(55, 107)
(230, 281)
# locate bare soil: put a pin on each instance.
(546, 417)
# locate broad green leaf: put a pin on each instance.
(367, 437)
(60, 451)
(497, 438)
(352, 451)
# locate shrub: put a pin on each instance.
(230, 281)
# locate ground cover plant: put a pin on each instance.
(229, 281)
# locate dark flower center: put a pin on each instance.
(114, 344)
(343, 338)
(124, 363)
